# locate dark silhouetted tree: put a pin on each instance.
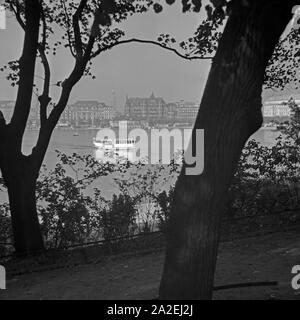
(230, 112)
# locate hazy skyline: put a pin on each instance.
(133, 69)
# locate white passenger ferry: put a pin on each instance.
(115, 144)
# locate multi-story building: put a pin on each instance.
(151, 108)
(66, 116)
(170, 112)
(108, 112)
(186, 111)
(7, 109)
(34, 116)
(154, 108)
(87, 113)
(125, 124)
(278, 109)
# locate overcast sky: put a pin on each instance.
(133, 69)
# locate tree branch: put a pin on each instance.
(17, 11)
(2, 123)
(27, 64)
(134, 40)
(68, 28)
(3, 127)
(44, 99)
(49, 124)
(76, 27)
(46, 130)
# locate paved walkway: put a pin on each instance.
(265, 258)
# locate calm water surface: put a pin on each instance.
(65, 141)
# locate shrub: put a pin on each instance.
(118, 220)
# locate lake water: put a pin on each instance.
(65, 141)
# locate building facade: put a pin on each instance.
(154, 108)
(170, 113)
(87, 113)
(277, 109)
(151, 108)
(186, 111)
(108, 112)
(7, 109)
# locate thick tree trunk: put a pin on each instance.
(21, 179)
(20, 173)
(17, 170)
(229, 113)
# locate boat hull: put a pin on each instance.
(101, 145)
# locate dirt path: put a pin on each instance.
(266, 258)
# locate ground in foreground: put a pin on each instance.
(265, 258)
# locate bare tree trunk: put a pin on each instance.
(17, 170)
(20, 173)
(20, 178)
(230, 112)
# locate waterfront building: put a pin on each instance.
(7, 109)
(108, 112)
(34, 117)
(278, 108)
(87, 113)
(66, 116)
(129, 124)
(170, 113)
(151, 108)
(186, 111)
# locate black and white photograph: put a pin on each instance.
(149, 153)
